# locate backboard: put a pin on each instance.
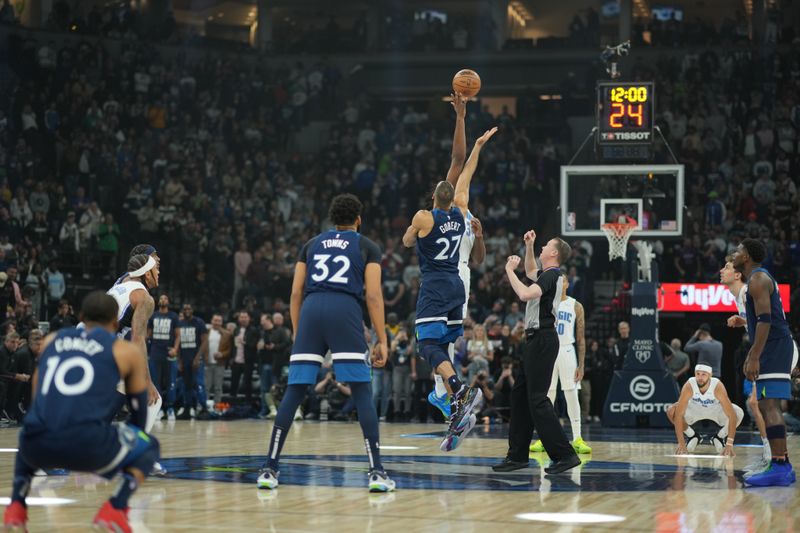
(592, 195)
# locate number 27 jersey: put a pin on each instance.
(336, 260)
(438, 250)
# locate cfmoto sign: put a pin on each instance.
(642, 388)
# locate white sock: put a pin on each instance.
(767, 451)
(152, 415)
(440, 388)
(574, 412)
(689, 431)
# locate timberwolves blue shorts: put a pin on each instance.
(775, 370)
(440, 308)
(103, 449)
(330, 321)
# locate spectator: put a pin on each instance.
(23, 363)
(108, 238)
(401, 352)
(64, 317)
(273, 348)
(190, 363)
(241, 261)
(8, 389)
(335, 397)
(56, 287)
(13, 274)
(70, 236)
(708, 349)
(678, 362)
(245, 353)
(514, 315)
(503, 383)
(216, 350)
(90, 224)
(479, 353)
(620, 348)
(393, 288)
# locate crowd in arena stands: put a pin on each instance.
(191, 156)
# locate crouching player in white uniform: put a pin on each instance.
(570, 326)
(704, 398)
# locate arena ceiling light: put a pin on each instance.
(519, 12)
(571, 518)
(40, 501)
(8, 450)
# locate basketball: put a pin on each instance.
(467, 82)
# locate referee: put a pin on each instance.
(530, 406)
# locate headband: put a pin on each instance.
(702, 368)
(150, 250)
(144, 269)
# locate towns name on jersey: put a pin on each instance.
(335, 243)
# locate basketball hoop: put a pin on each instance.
(617, 235)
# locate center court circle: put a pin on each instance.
(442, 472)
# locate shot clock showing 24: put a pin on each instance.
(625, 119)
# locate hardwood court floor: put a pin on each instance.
(213, 466)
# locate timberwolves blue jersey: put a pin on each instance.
(336, 261)
(77, 381)
(779, 327)
(163, 327)
(438, 250)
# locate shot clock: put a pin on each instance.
(625, 119)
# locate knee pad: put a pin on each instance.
(435, 354)
(776, 432)
(145, 460)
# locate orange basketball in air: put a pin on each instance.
(467, 82)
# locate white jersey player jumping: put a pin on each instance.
(569, 369)
(472, 246)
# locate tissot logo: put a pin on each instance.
(643, 311)
(626, 136)
(642, 388)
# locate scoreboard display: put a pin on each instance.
(625, 119)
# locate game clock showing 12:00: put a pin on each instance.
(625, 112)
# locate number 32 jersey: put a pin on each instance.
(336, 260)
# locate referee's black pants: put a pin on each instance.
(530, 407)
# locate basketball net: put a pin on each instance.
(617, 235)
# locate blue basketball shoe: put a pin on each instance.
(777, 475)
(440, 402)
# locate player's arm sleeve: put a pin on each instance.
(370, 251)
(135, 368)
(302, 258)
